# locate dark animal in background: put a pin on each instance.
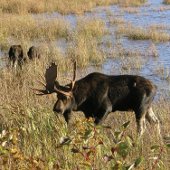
(98, 94)
(33, 52)
(16, 56)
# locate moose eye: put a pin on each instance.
(63, 98)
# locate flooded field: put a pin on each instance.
(152, 59)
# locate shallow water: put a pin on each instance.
(152, 13)
(155, 68)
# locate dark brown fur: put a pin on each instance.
(33, 52)
(16, 56)
(98, 94)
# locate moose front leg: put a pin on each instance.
(103, 111)
(67, 115)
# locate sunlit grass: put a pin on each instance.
(26, 28)
(37, 133)
(64, 7)
(34, 132)
(166, 1)
(85, 39)
(139, 33)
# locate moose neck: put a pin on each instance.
(80, 94)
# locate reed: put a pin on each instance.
(85, 40)
(138, 33)
(166, 1)
(64, 7)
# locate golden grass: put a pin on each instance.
(85, 41)
(36, 131)
(138, 33)
(166, 1)
(64, 7)
(27, 28)
(127, 3)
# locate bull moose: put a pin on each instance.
(16, 56)
(98, 94)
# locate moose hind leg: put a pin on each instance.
(140, 125)
(151, 117)
(140, 120)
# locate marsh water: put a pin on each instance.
(154, 12)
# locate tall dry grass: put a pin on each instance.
(28, 28)
(64, 7)
(35, 132)
(138, 33)
(85, 42)
(166, 1)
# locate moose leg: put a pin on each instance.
(140, 120)
(103, 111)
(140, 125)
(67, 115)
(151, 117)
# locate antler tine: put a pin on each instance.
(41, 76)
(57, 72)
(74, 74)
(42, 92)
(75, 69)
(41, 83)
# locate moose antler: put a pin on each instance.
(74, 74)
(51, 84)
(50, 80)
(69, 93)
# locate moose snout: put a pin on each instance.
(57, 110)
(58, 107)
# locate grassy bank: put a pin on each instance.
(64, 7)
(32, 136)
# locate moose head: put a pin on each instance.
(65, 98)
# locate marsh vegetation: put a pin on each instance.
(113, 40)
(166, 1)
(64, 7)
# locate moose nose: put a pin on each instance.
(57, 110)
